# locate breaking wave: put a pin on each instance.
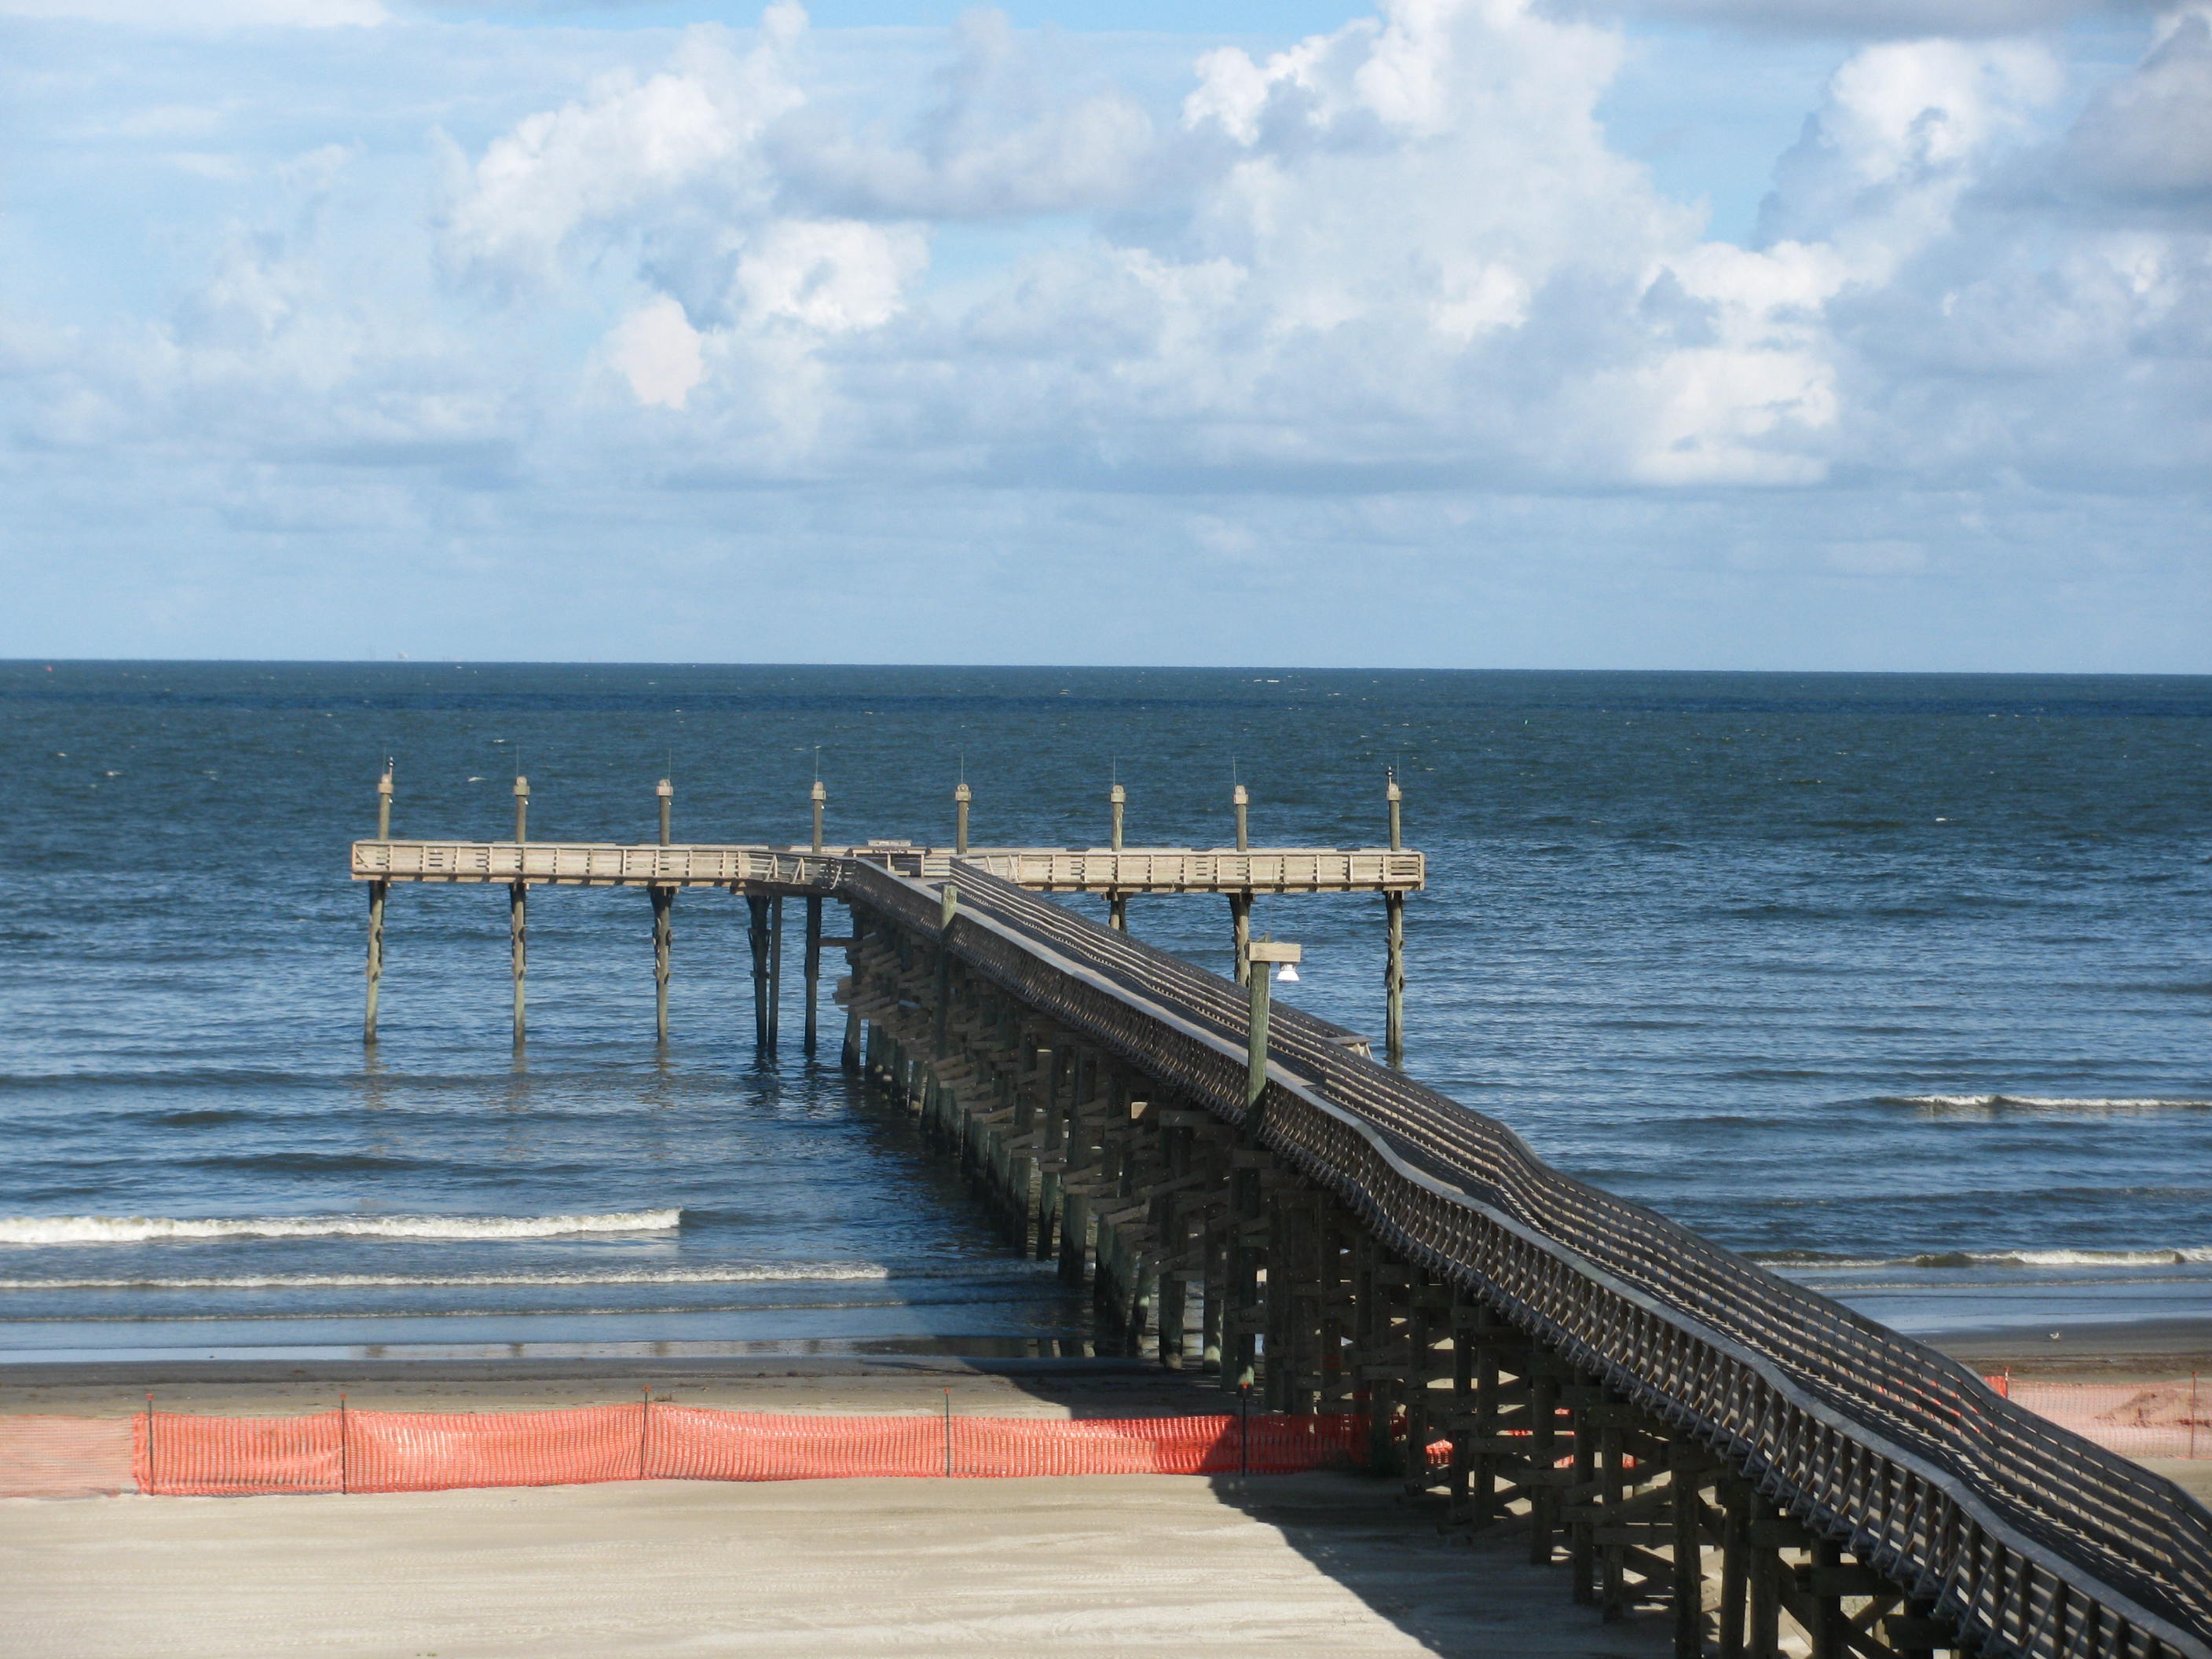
(140, 1229)
(831, 1272)
(2092, 1106)
(1810, 1261)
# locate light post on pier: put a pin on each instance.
(1117, 903)
(1244, 1290)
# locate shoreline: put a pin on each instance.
(2150, 1352)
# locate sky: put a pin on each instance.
(1738, 334)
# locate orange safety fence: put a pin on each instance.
(2147, 1419)
(66, 1456)
(176, 1453)
(179, 1453)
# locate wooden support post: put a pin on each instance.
(948, 901)
(774, 968)
(813, 969)
(1393, 971)
(1735, 1566)
(1213, 1309)
(518, 949)
(1240, 934)
(1075, 1156)
(1543, 1453)
(518, 912)
(377, 892)
(1393, 980)
(817, 795)
(663, 932)
(756, 937)
(1242, 802)
(849, 1056)
(1686, 1468)
(1764, 1639)
(1265, 954)
(664, 904)
(1612, 1553)
(1830, 1628)
(1240, 1340)
(1052, 1145)
(1418, 1335)
(1582, 1543)
(962, 795)
(1117, 904)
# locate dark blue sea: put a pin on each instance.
(1902, 984)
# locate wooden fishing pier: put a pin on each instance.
(1245, 1192)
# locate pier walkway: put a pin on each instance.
(1676, 1427)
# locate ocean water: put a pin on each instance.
(1901, 983)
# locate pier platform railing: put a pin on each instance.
(1134, 870)
(2028, 1539)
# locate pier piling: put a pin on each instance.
(518, 907)
(378, 892)
(1240, 904)
(1394, 969)
(1117, 903)
(664, 926)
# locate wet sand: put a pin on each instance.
(2165, 1351)
(875, 1385)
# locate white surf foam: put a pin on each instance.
(831, 1272)
(2185, 1257)
(139, 1229)
(2086, 1105)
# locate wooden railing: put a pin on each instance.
(2031, 1540)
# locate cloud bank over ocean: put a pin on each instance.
(562, 336)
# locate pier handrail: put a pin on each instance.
(2020, 1531)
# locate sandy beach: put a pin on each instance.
(1307, 1564)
